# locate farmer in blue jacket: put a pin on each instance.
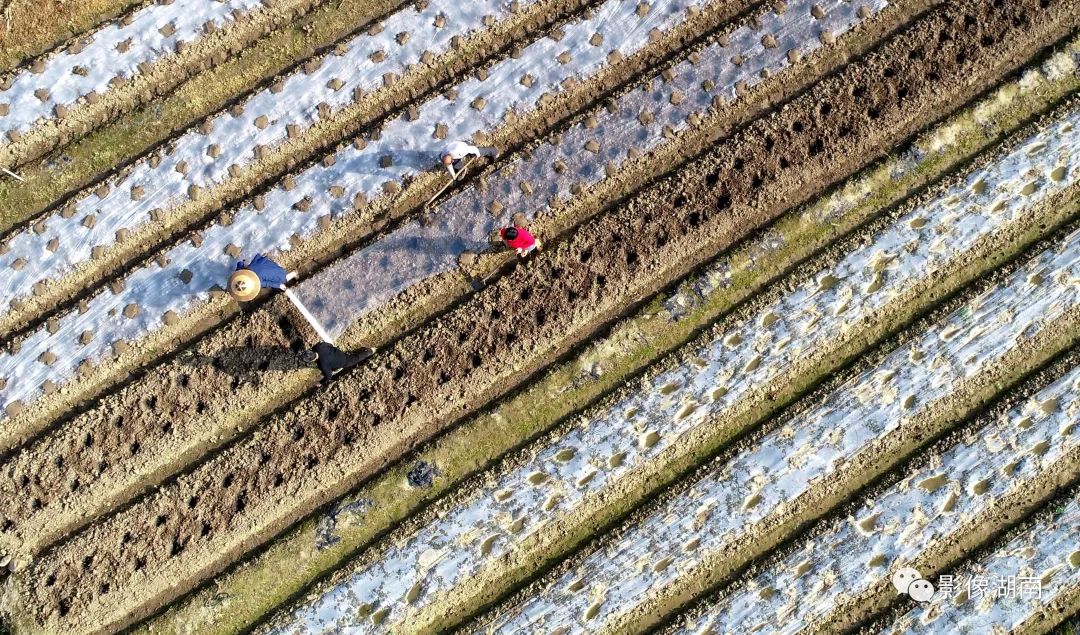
(249, 279)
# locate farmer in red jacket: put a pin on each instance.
(520, 240)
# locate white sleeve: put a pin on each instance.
(459, 150)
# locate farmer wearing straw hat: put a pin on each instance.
(249, 279)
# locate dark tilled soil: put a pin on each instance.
(351, 228)
(366, 110)
(146, 428)
(110, 574)
(79, 489)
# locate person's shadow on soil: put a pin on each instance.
(243, 360)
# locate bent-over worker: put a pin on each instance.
(331, 359)
(520, 240)
(249, 279)
(457, 150)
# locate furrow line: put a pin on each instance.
(745, 504)
(235, 151)
(49, 181)
(56, 506)
(236, 599)
(25, 34)
(623, 450)
(68, 93)
(310, 214)
(1028, 584)
(323, 446)
(969, 487)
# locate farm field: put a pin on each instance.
(806, 317)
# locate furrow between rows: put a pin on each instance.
(229, 154)
(1028, 584)
(311, 213)
(423, 266)
(737, 376)
(324, 445)
(244, 594)
(745, 504)
(967, 488)
(79, 487)
(25, 35)
(49, 181)
(68, 93)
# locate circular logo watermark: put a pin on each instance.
(908, 581)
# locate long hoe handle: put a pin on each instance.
(308, 316)
(451, 181)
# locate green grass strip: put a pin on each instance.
(29, 28)
(239, 598)
(83, 162)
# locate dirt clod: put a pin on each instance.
(378, 408)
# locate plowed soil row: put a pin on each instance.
(300, 152)
(756, 405)
(58, 506)
(325, 445)
(147, 431)
(289, 565)
(975, 533)
(49, 181)
(29, 28)
(161, 77)
(419, 302)
(94, 378)
(81, 488)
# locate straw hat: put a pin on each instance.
(244, 285)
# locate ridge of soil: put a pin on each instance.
(165, 74)
(289, 567)
(968, 398)
(754, 407)
(320, 138)
(925, 457)
(325, 445)
(51, 180)
(91, 481)
(31, 28)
